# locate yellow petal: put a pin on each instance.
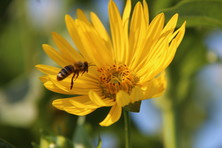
(136, 94)
(152, 35)
(79, 111)
(171, 50)
(50, 70)
(66, 49)
(82, 102)
(113, 116)
(82, 84)
(122, 98)
(125, 24)
(96, 99)
(156, 26)
(154, 62)
(137, 21)
(174, 45)
(61, 103)
(146, 11)
(44, 78)
(78, 88)
(89, 42)
(127, 10)
(161, 55)
(55, 55)
(58, 84)
(81, 16)
(52, 87)
(97, 46)
(66, 105)
(155, 87)
(116, 32)
(170, 26)
(180, 35)
(93, 45)
(162, 52)
(100, 28)
(73, 28)
(138, 33)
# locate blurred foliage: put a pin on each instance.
(188, 61)
(3, 8)
(81, 135)
(198, 13)
(4, 144)
(99, 143)
(27, 105)
(55, 141)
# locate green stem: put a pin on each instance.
(169, 128)
(127, 129)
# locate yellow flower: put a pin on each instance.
(127, 66)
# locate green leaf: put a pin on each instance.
(197, 13)
(133, 107)
(158, 5)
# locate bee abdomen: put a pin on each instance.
(65, 72)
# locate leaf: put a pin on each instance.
(158, 5)
(133, 107)
(197, 13)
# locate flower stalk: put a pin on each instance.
(127, 128)
(169, 128)
(168, 106)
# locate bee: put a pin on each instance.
(76, 68)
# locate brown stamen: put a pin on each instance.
(115, 78)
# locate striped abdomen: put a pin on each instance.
(65, 72)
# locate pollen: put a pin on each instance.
(114, 78)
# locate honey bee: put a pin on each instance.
(76, 68)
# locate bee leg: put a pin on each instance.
(77, 75)
(72, 81)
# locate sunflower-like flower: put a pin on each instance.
(125, 67)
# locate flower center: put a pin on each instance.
(114, 78)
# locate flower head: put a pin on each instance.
(125, 67)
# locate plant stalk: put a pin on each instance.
(169, 128)
(127, 129)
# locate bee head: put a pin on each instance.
(85, 66)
